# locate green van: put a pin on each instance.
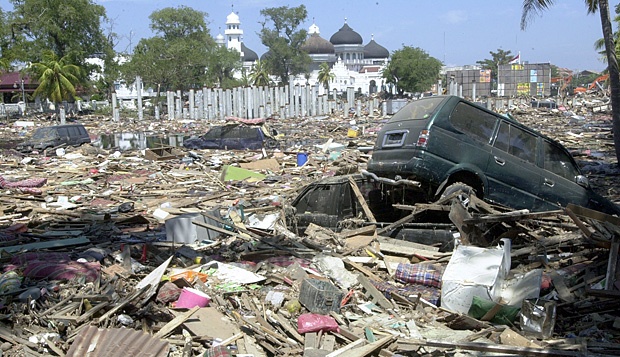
(447, 144)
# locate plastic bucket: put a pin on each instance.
(302, 158)
(190, 298)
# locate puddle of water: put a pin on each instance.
(137, 141)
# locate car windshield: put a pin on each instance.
(44, 133)
(418, 109)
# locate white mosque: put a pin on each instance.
(353, 64)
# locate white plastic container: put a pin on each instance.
(474, 271)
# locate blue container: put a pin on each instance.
(302, 158)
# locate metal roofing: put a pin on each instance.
(98, 342)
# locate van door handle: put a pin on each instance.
(499, 161)
(549, 183)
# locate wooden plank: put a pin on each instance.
(362, 269)
(350, 346)
(561, 288)
(174, 323)
(362, 231)
(362, 201)
(329, 342)
(586, 231)
(59, 243)
(414, 345)
(122, 304)
(408, 218)
(364, 350)
(377, 296)
(409, 249)
(590, 213)
(612, 263)
(310, 340)
(288, 328)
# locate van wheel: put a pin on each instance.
(271, 144)
(465, 190)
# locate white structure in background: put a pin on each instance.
(124, 92)
(353, 64)
(233, 39)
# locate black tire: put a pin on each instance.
(271, 144)
(466, 192)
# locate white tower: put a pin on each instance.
(233, 32)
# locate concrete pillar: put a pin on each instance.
(139, 93)
(303, 110)
(221, 104)
(192, 102)
(114, 107)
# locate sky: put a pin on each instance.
(456, 32)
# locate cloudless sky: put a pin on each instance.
(456, 32)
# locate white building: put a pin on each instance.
(353, 64)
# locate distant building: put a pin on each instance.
(518, 79)
(353, 64)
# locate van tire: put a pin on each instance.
(271, 144)
(466, 192)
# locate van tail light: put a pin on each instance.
(423, 138)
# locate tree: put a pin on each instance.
(412, 70)
(497, 58)
(531, 7)
(222, 63)
(259, 76)
(284, 40)
(325, 75)
(599, 45)
(69, 28)
(57, 78)
(177, 56)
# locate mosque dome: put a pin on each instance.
(219, 39)
(232, 18)
(314, 29)
(346, 36)
(315, 44)
(375, 50)
(248, 54)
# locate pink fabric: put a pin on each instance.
(31, 182)
(70, 271)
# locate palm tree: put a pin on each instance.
(57, 78)
(259, 76)
(602, 6)
(325, 75)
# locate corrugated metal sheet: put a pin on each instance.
(95, 342)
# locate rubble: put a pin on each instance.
(167, 251)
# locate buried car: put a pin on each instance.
(449, 144)
(234, 137)
(332, 203)
(53, 136)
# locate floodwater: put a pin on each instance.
(137, 141)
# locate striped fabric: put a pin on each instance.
(421, 274)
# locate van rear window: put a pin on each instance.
(418, 109)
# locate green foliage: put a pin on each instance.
(221, 64)
(57, 77)
(325, 75)
(259, 76)
(500, 57)
(177, 56)
(412, 70)
(66, 27)
(284, 38)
